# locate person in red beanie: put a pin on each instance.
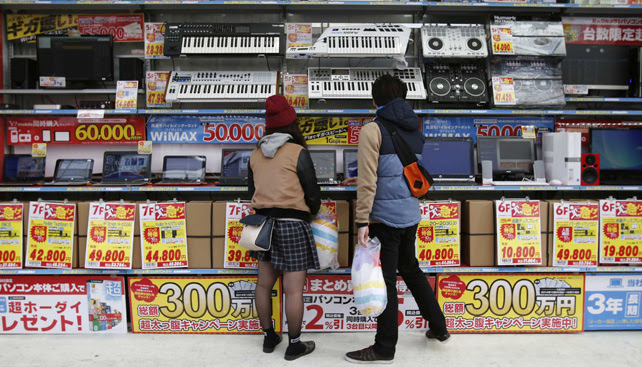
(283, 185)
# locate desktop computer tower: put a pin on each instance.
(562, 157)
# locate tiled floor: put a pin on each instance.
(582, 349)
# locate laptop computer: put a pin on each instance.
(234, 167)
(23, 169)
(325, 166)
(183, 170)
(350, 163)
(73, 172)
(449, 161)
(126, 168)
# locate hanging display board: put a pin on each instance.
(438, 237)
(620, 231)
(163, 235)
(518, 232)
(575, 234)
(51, 235)
(613, 302)
(236, 257)
(110, 235)
(11, 215)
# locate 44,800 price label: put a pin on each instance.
(163, 235)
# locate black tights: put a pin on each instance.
(293, 282)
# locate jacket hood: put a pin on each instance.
(400, 114)
(271, 143)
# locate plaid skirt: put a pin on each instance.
(293, 247)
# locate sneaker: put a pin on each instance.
(442, 338)
(367, 356)
(309, 348)
(270, 344)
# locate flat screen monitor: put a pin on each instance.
(448, 157)
(350, 168)
(126, 167)
(325, 164)
(600, 67)
(86, 58)
(188, 168)
(23, 168)
(509, 154)
(619, 149)
(235, 163)
(70, 170)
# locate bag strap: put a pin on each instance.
(405, 154)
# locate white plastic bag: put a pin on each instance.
(368, 285)
(326, 237)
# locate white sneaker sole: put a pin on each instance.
(380, 361)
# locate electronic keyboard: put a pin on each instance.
(223, 86)
(358, 40)
(221, 39)
(337, 83)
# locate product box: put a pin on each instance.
(199, 253)
(199, 219)
(137, 259)
(478, 233)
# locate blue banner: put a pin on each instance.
(613, 302)
(442, 126)
(205, 129)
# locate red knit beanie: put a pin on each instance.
(278, 112)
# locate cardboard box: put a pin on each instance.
(199, 219)
(199, 253)
(343, 252)
(82, 251)
(137, 260)
(218, 219)
(478, 233)
(82, 213)
(218, 252)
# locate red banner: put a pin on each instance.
(603, 31)
(124, 27)
(72, 131)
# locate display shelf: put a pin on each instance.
(62, 272)
(603, 99)
(210, 188)
(62, 91)
(340, 271)
(128, 111)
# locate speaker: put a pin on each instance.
(590, 169)
(487, 172)
(539, 171)
(131, 69)
(24, 73)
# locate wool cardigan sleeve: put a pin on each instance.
(368, 163)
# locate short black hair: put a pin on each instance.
(386, 88)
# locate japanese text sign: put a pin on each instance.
(236, 257)
(110, 235)
(613, 302)
(438, 236)
(51, 235)
(11, 235)
(620, 231)
(518, 232)
(163, 235)
(576, 229)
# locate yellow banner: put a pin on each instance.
(438, 236)
(621, 231)
(332, 130)
(190, 305)
(497, 303)
(27, 26)
(51, 235)
(236, 257)
(11, 236)
(576, 231)
(518, 232)
(163, 235)
(110, 236)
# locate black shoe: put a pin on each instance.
(308, 348)
(442, 338)
(367, 356)
(270, 344)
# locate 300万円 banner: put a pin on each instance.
(190, 305)
(500, 303)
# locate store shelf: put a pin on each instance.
(129, 111)
(61, 91)
(62, 272)
(603, 99)
(340, 271)
(323, 188)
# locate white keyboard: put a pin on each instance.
(519, 183)
(224, 86)
(444, 41)
(338, 83)
(358, 40)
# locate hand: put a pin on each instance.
(362, 235)
(352, 181)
